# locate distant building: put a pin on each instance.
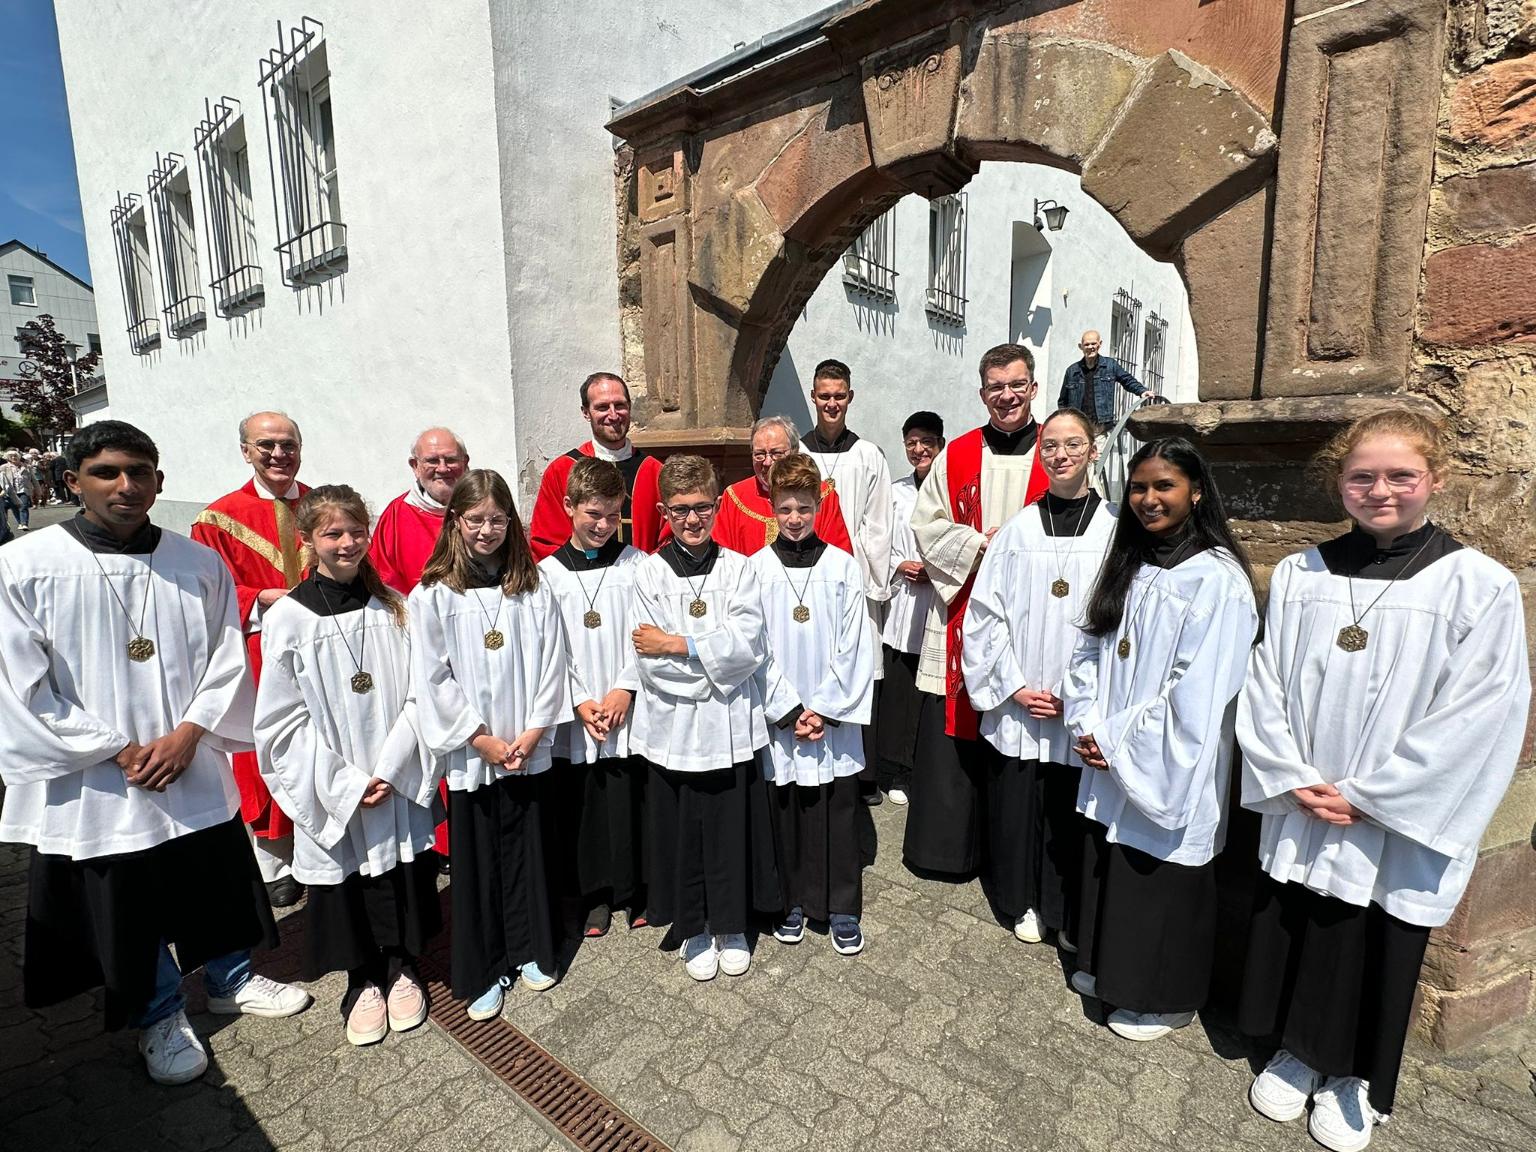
(31, 285)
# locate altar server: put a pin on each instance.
(819, 687)
(336, 738)
(123, 691)
(698, 720)
(1149, 697)
(1380, 726)
(491, 684)
(1020, 632)
(601, 786)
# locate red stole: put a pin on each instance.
(963, 473)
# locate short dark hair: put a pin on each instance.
(1004, 355)
(586, 385)
(923, 422)
(832, 370)
(110, 436)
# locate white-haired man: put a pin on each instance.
(407, 530)
(745, 522)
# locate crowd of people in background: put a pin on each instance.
(30, 479)
(676, 701)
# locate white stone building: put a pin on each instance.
(31, 285)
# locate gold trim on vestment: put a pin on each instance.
(252, 539)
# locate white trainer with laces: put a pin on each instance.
(735, 956)
(260, 996)
(172, 1052)
(897, 796)
(700, 957)
(1146, 1025)
(1027, 927)
(1342, 1116)
(1282, 1090)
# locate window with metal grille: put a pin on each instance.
(1124, 330)
(170, 200)
(869, 265)
(946, 259)
(1154, 341)
(130, 238)
(301, 145)
(224, 162)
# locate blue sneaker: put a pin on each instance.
(534, 978)
(488, 1005)
(791, 929)
(847, 937)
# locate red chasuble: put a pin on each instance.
(963, 472)
(258, 542)
(642, 526)
(745, 521)
(403, 541)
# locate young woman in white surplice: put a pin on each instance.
(338, 747)
(1020, 632)
(1149, 698)
(1380, 726)
(491, 683)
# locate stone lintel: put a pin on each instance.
(1302, 420)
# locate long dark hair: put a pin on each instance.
(1132, 543)
(451, 557)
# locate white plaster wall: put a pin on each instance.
(415, 333)
(903, 361)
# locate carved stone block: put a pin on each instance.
(667, 307)
(1480, 294)
(910, 94)
(660, 186)
(1223, 267)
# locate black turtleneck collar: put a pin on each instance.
(685, 564)
(326, 597)
(845, 440)
(575, 559)
(1063, 517)
(1173, 549)
(798, 553)
(918, 479)
(1357, 554)
(1018, 443)
(482, 575)
(96, 538)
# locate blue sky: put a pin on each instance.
(39, 195)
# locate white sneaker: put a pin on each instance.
(172, 1052)
(1146, 1025)
(1027, 927)
(1282, 1090)
(1342, 1116)
(260, 996)
(897, 796)
(1084, 984)
(700, 957)
(735, 958)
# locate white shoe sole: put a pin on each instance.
(363, 1039)
(899, 800)
(1027, 936)
(1271, 1112)
(1354, 1144)
(227, 1006)
(705, 976)
(180, 1078)
(405, 1024)
(482, 1014)
(785, 939)
(736, 969)
(543, 985)
(1141, 1033)
(842, 951)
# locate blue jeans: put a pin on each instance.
(223, 976)
(19, 505)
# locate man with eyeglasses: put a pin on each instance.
(605, 406)
(745, 522)
(1089, 384)
(408, 529)
(253, 531)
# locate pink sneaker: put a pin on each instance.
(407, 1004)
(368, 1022)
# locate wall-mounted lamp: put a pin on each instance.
(1055, 215)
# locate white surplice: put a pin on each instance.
(826, 664)
(862, 480)
(1163, 716)
(71, 699)
(460, 684)
(319, 743)
(1421, 731)
(600, 659)
(906, 612)
(1018, 635)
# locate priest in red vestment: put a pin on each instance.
(605, 406)
(745, 521)
(408, 528)
(253, 531)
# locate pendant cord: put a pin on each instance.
(148, 589)
(698, 593)
(799, 593)
(592, 599)
(362, 644)
(1350, 581)
(1061, 565)
(491, 620)
(1142, 603)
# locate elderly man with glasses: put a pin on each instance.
(410, 524)
(745, 521)
(253, 531)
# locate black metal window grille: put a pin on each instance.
(224, 163)
(1154, 344)
(170, 201)
(946, 259)
(130, 238)
(869, 265)
(1124, 329)
(301, 145)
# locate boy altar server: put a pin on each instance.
(123, 691)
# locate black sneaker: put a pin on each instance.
(847, 936)
(284, 892)
(791, 929)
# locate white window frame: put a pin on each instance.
(1153, 351)
(224, 167)
(869, 264)
(947, 225)
(14, 282)
(130, 235)
(170, 200)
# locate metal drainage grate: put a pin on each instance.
(579, 1112)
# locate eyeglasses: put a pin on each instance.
(685, 512)
(440, 461)
(770, 454)
(272, 447)
(1019, 388)
(475, 523)
(1063, 448)
(1397, 480)
(917, 442)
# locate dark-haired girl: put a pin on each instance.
(491, 676)
(1149, 698)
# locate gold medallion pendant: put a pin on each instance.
(697, 608)
(494, 639)
(140, 649)
(1059, 588)
(1352, 638)
(801, 613)
(362, 682)
(1124, 647)
(593, 619)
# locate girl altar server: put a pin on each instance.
(336, 739)
(1380, 726)
(602, 786)
(491, 682)
(1150, 696)
(1020, 631)
(819, 686)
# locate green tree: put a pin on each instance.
(48, 378)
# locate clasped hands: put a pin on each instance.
(599, 719)
(1325, 802)
(511, 755)
(160, 763)
(810, 726)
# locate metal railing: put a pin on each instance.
(946, 297)
(131, 242)
(234, 275)
(869, 265)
